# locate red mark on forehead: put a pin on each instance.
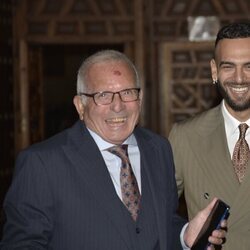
(117, 72)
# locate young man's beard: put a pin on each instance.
(232, 104)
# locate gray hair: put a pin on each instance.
(98, 57)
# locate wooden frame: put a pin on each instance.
(185, 82)
(123, 24)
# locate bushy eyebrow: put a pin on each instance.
(226, 62)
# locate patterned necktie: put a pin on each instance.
(129, 187)
(241, 153)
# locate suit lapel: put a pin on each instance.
(87, 159)
(211, 137)
(149, 162)
(213, 155)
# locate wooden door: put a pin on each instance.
(30, 120)
(186, 85)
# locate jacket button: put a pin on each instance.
(138, 230)
(206, 196)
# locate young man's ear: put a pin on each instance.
(79, 106)
(213, 68)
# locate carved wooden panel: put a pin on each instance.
(138, 25)
(73, 22)
(170, 16)
(89, 19)
(166, 21)
(186, 86)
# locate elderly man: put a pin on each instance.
(104, 183)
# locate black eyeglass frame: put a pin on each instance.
(110, 92)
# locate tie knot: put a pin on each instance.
(120, 151)
(243, 128)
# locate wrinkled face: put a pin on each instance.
(116, 121)
(232, 70)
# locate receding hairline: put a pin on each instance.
(104, 56)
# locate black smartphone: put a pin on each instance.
(219, 212)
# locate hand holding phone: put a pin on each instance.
(219, 212)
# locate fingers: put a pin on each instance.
(223, 225)
(217, 237)
(219, 233)
(198, 221)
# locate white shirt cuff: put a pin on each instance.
(184, 246)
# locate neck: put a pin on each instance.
(241, 116)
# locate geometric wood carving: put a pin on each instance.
(110, 19)
(186, 87)
(169, 17)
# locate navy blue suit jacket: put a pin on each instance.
(62, 196)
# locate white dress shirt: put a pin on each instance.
(113, 164)
(232, 130)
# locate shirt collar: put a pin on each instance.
(231, 123)
(103, 145)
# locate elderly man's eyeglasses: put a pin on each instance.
(107, 97)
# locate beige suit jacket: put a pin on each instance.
(204, 170)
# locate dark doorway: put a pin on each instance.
(60, 66)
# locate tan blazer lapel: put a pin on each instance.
(214, 155)
(213, 141)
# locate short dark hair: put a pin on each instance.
(233, 31)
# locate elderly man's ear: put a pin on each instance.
(79, 106)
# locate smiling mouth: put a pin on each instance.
(239, 90)
(116, 120)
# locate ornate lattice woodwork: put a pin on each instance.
(186, 86)
(170, 16)
(93, 20)
(140, 26)
(71, 22)
(166, 21)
